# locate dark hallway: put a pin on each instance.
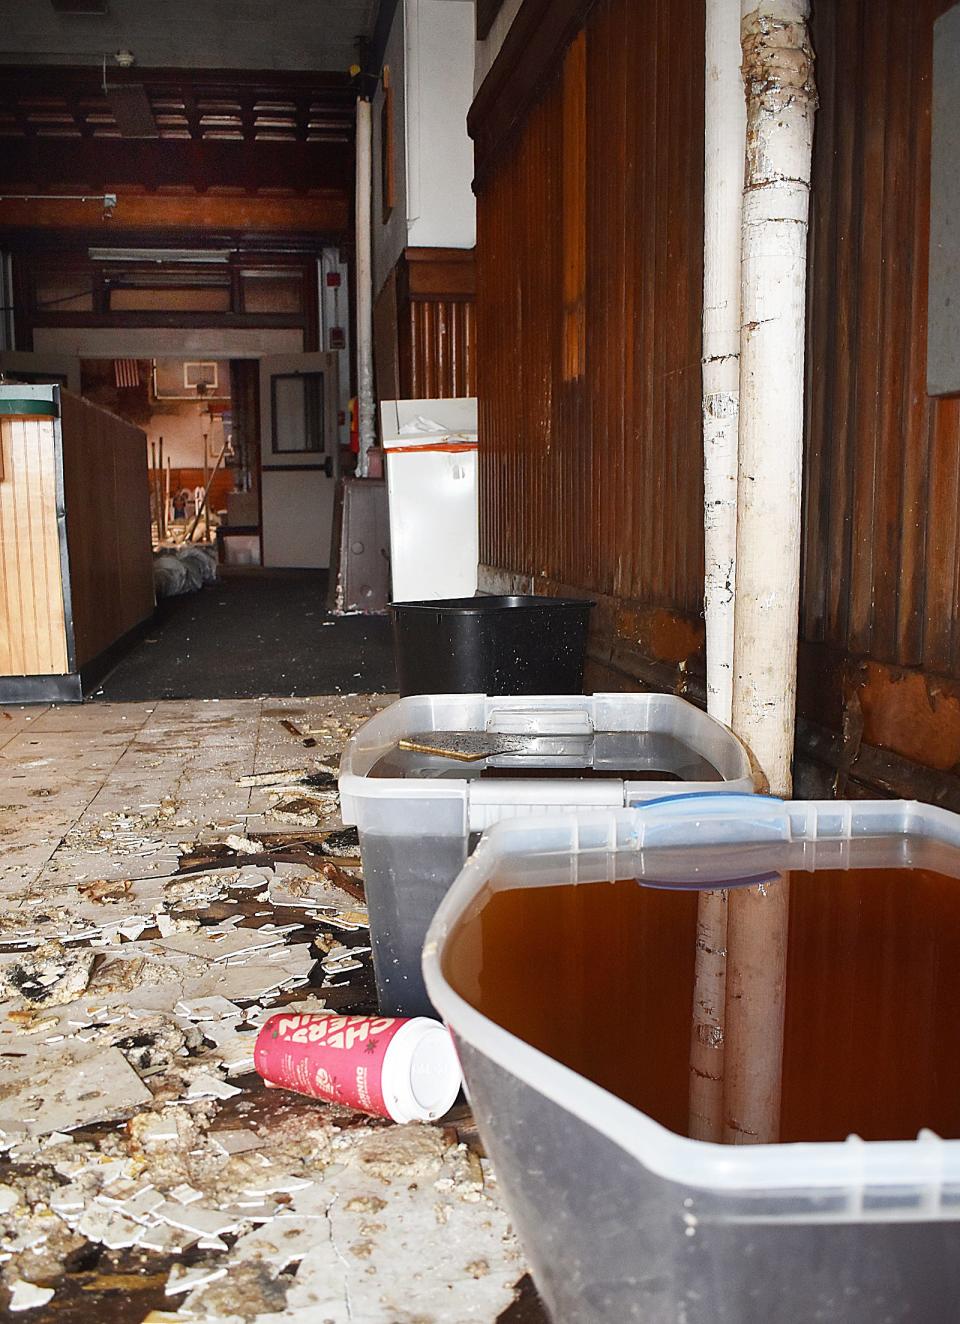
(254, 633)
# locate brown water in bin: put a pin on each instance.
(629, 756)
(600, 977)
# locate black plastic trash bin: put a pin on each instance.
(491, 645)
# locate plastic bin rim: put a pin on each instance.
(494, 602)
(362, 786)
(836, 1166)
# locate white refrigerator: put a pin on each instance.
(431, 457)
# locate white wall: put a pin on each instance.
(390, 238)
(182, 433)
(441, 209)
(430, 54)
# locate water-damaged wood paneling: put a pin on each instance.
(425, 326)
(589, 292)
(882, 510)
(106, 497)
(591, 461)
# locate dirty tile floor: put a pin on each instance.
(146, 930)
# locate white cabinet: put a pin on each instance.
(431, 457)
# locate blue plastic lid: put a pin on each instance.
(708, 804)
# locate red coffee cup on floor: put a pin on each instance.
(404, 1068)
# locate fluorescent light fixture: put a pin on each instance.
(203, 255)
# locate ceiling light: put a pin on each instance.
(159, 255)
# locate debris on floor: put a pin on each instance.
(155, 911)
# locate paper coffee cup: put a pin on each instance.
(398, 1067)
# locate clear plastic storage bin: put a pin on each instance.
(418, 814)
(627, 1219)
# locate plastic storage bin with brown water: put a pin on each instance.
(419, 815)
(569, 985)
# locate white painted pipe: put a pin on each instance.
(364, 280)
(781, 102)
(724, 137)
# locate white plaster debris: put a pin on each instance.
(186, 1280)
(231, 1142)
(206, 1086)
(244, 845)
(118, 1118)
(27, 1296)
(208, 1009)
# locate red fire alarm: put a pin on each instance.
(333, 279)
(338, 337)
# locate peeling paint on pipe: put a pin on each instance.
(781, 102)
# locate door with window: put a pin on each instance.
(298, 458)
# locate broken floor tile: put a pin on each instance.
(53, 1094)
(234, 1142)
(197, 1218)
(185, 1280)
(205, 1086)
(28, 1296)
(167, 1240)
(207, 1009)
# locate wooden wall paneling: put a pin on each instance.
(893, 345)
(665, 257)
(385, 349)
(432, 304)
(526, 64)
(690, 460)
(573, 213)
(89, 486)
(628, 514)
(882, 541)
(817, 477)
(136, 589)
(590, 329)
(602, 299)
(943, 524)
(108, 525)
(837, 339)
(596, 485)
(33, 639)
(870, 177)
(915, 407)
(542, 273)
(441, 273)
(648, 343)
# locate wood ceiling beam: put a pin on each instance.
(46, 164)
(327, 213)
